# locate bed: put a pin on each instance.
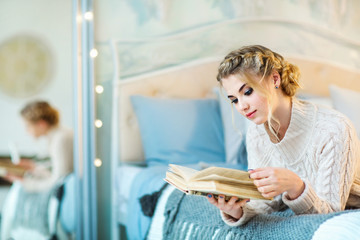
(188, 85)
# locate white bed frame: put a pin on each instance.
(196, 79)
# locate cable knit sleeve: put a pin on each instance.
(336, 163)
(253, 208)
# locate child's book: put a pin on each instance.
(215, 180)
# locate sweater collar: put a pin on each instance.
(298, 134)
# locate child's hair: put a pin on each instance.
(260, 61)
(40, 110)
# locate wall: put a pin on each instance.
(49, 21)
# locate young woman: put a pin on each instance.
(25, 212)
(304, 156)
(42, 120)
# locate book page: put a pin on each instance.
(223, 175)
(226, 189)
(176, 180)
(185, 172)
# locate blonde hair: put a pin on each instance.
(40, 110)
(259, 61)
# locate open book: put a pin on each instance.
(215, 180)
(6, 166)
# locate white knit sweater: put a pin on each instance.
(322, 148)
(60, 148)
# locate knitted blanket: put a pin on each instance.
(193, 217)
(32, 211)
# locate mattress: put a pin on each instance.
(124, 180)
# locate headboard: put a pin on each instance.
(197, 80)
(185, 65)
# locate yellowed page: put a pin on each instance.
(226, 189)
(177, 181)
(223, 175)
(185, 172)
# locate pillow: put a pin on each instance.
(318, 100)
(180, 131)
(234, 133)
(346, 101)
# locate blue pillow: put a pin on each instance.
(234, 131)
(180, 131)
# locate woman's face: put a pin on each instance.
(246, 100)
(35, 129)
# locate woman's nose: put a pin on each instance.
(243, 106)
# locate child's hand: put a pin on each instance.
(272, 181)
(233, 207)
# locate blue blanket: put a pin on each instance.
(147, 181)
(194, 217)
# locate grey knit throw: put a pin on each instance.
(193, 217)
(32, 211)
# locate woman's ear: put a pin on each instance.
(276, 79)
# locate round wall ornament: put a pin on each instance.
(25, 66)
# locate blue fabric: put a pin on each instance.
(234, 131)
(180, 131)
(184, 213)
(67, 209)
(147, 181)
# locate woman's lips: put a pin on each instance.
(250, 115)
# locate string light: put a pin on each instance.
(93, 53)
(97, 162)
(98, 123)
(88, 16)
(99, 89)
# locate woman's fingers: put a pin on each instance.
(212, 199)
(261, 173)
(233, 207)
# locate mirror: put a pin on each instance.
(35, 64)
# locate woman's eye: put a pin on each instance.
(249, 91)
(234, 100)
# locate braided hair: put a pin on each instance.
(260, 61)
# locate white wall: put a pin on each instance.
(51, 22)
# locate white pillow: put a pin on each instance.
(347, 102)
(318, 100)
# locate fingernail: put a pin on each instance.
(221, 196)
(250, 169)
(248, 200)
(209, 195)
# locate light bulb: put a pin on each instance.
(98, 123)
(97, 162)
(93, 53)
(88, 16)
(99, 89)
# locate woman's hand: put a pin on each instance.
(272, 181)
(12, 178)
(232, 207)
(28, 164)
